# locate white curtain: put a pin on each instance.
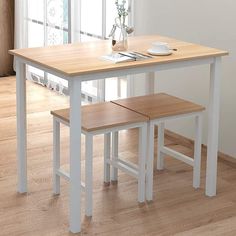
(20, 35)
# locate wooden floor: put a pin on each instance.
(177, 208)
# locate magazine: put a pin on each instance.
(119, 57)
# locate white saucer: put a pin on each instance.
(156, 53)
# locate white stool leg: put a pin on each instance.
(107, 156)
(88, 174)
(197, 152)
(150, 157)
(115, 142)
(56, 156)
(160, 144)
(142, 162)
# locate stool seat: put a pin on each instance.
(106, 119)
(102, 116)
(160, 105)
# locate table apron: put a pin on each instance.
(123, 71)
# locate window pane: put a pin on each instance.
(57, 20)
(86, 38)
(36, 10)
(54, 36)
(91, 16)
(36, 71)
(55, 13)
(89, 88)
(56, 83)
(116, 88)
(65, 14)
(35, 34)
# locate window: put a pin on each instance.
(51, 22)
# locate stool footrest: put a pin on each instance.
(177, 155)
(128, 163)
(128, 168)
(63, 174)
(66, 176)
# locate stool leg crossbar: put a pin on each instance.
(137, 171)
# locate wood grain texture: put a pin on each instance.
(176, 209)
(159, 105)
(85, 58)
(102, 116)
(6, 36)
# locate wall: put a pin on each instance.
(210, 23)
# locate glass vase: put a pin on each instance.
(120, 38)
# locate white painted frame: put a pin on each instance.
(75, 126)
(137, 171)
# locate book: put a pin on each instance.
(125, 57)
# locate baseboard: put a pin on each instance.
(7, 75)
(181, 140)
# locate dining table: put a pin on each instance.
(82, 61)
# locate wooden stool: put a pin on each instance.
(102, 118)
(160, 108)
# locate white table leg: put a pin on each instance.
(89, 175)
(130, 85)
(101, 90)
(213, 123)
(150, 83)
(21, 126)
(75, 156)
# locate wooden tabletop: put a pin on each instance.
(85, 58)
(159, 105)
(102, 116)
